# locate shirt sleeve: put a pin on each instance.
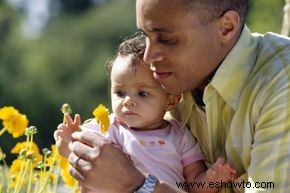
(269, 167)
(189, 148)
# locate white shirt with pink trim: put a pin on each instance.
(162, 152)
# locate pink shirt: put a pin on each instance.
(161, 152)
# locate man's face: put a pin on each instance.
(182, 51)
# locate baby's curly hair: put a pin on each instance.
(133, 46)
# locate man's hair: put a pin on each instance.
(133, 46)
(208, 10)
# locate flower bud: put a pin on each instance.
(66, 108)
(30, 130)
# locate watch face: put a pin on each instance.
(149, 185)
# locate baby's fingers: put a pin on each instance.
(229, 167)
(57, 134)
(72, 123)
(68, 119)
(211, 173)
(61, 126)
(77, 120)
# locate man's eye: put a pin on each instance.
(143, 93)
(168, 41)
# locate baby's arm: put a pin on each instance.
(63, 133)
(204, 180)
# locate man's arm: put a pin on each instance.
(104, 168)
(269, 167)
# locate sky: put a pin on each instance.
(37, 14)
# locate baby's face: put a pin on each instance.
(138, 100)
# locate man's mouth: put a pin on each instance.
(159, 76)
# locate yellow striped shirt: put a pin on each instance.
(247, 119)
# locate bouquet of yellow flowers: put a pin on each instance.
(34, 171)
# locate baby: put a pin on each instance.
(155, 145)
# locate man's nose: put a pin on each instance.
(152, 53)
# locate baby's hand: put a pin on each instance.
(63, 133)
(221, 170)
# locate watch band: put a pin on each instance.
(149, 185)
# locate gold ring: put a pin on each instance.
(75, 162)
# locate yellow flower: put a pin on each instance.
(62, 161)
(20, 146)
(67, 178)
(13, 181)
(54, 156)
(24, 145)
(53, 150)
(16, 166)
(13, 121)
(101, 114)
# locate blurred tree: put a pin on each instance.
(9, 62)
(65, 65)
(5, 23)
(266, 15)
(75, 6)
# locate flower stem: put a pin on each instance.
(30, 176)
(2, 131)
(4, 176)
(55, 181)
(22, 173)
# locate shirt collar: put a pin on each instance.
(232, 74)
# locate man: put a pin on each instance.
(236, 97)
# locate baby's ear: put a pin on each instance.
(173, 100)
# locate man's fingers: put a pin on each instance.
(80, 164)
(84, 151)
(90, 138)
(76, 174)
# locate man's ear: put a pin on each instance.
(173, 100)
(229, 25)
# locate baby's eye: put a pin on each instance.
(119, 93)
(143, 93)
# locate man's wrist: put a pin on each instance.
(149, 185)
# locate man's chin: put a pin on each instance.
(170, 90)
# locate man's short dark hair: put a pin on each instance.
(208, 10)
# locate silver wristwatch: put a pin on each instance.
(149, 185)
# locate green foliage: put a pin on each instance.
(75, 6)
(266, 15)
(67, 64)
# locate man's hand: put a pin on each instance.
(102, 167)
